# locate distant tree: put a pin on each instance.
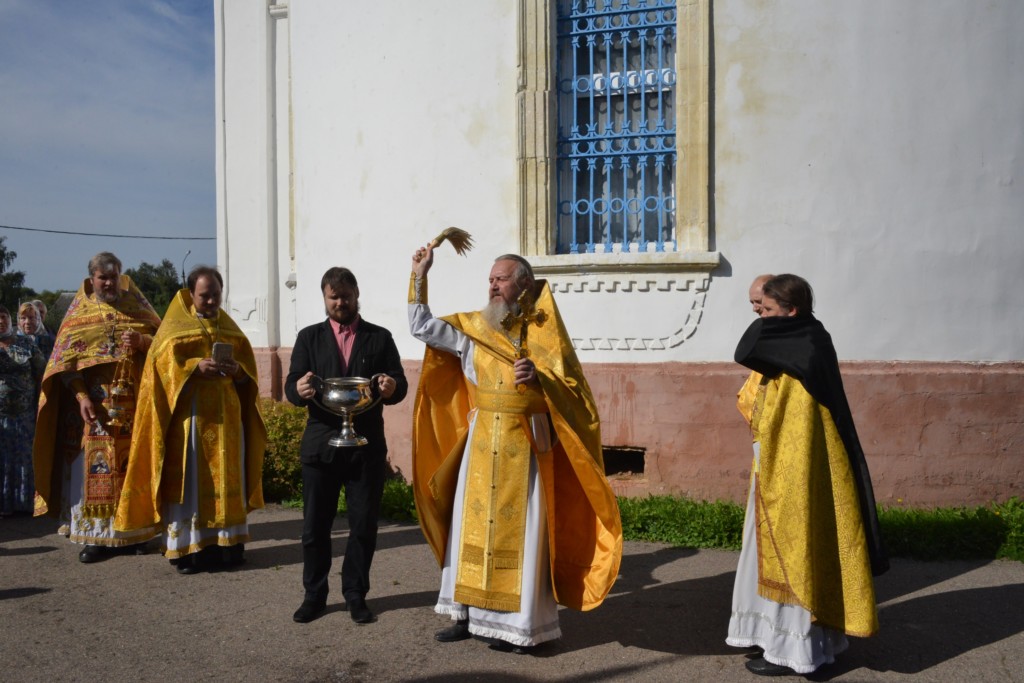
(159, 283)
(6, 256)
(12, 282)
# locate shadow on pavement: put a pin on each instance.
(910, 576)
(402, 601)
(35, 550)
(923, 632)
(14, 593)
(391, 535)
(635, 672)
(21, 527)
(679, 618)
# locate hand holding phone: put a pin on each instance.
(222, 352)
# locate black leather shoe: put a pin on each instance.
(503, 646)
(459, 631)
(762, 667)
(90, 554)
(309, 610)
(359, 612)
(187, 565)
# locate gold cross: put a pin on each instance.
(528, 313)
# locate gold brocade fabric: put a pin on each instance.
(497, 482)
(811, 545)
(584, 529)
(226, 415)
(87, 344)
(747, 396)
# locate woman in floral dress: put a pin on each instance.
(21, 370)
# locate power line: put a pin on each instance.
(104, 234)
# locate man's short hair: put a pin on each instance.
(203, 271)
(104, 262)
(524, 271)
(791, 291)
(337, 277)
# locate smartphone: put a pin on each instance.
(222, 352)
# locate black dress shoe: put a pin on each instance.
(187, 565)
(503, 646)
(309, 610)
(459, 631)
(762, 667)
(359, 612)
(90, 554)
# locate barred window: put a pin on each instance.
(616, 139)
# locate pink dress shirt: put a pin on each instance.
(345, 335)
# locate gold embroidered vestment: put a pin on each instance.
(494, 517)
(583, 526)
(225, 415)
(88, 345)
(810, 533)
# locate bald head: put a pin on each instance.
(757, 291)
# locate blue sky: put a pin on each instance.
(106, 125)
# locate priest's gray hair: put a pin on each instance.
(524, 271)
(104, 262)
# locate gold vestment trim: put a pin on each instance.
(497, 483)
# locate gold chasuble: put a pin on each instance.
(583, 526)
(494, 516)
(88, 349)
(810, 535)
(227, 418)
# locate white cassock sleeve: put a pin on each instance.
(437, 334)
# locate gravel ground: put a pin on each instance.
(133, 618)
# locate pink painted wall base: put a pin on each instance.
(935, 434)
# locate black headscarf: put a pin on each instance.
(801, 347)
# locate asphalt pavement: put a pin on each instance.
(133, 618)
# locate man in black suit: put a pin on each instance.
(344, 345)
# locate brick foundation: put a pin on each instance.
(935, 434)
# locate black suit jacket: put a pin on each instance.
(316, 350)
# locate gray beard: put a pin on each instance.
(495, 312)
(110, 298)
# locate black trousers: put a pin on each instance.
(361, 472)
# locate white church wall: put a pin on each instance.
(873, 147)
(877, 149)
(404, 114)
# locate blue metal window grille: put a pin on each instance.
(616, 150)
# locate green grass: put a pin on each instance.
(682, 522)
(943, 533)
(396, 504)
(977, 533)
(963, 533)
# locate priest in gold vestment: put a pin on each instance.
(507, 467)
(196, 461)
(811, 541)
(84, 423)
